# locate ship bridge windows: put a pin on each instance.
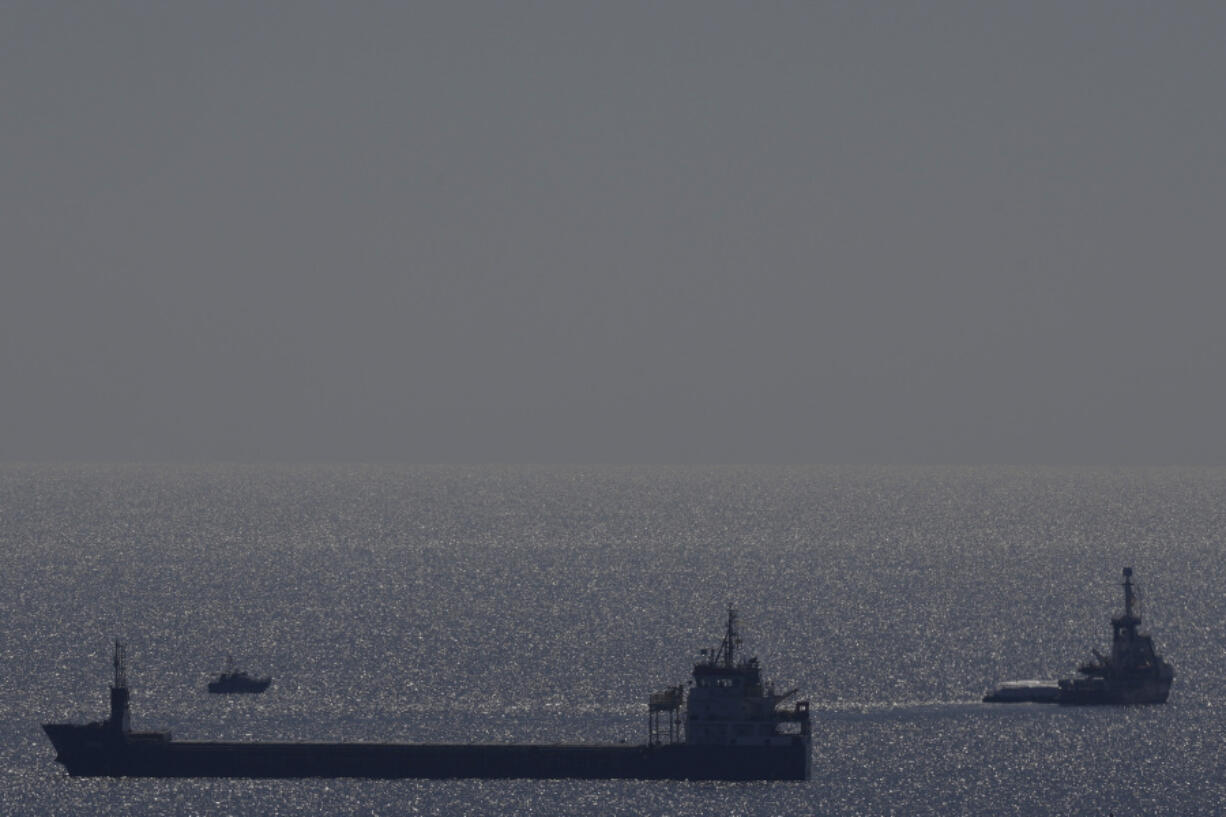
(721, 683)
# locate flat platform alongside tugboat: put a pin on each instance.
(727, 726)
(1017, 692)
(1133, 673)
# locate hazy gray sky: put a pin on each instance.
(613, 232)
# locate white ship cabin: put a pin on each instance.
(729, 706)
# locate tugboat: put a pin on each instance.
(731, 728)
(234, 681)
(1133, 674)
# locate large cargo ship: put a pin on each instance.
(1133, 673)
(728, 725)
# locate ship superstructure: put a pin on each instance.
(1133, 673)
(731, 728)
(729, 705)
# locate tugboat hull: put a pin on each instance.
(1091, 692)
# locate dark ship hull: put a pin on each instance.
(88, 751)
(1084, 692)
(239, 686)
(1115, 691)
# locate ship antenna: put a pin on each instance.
(727, 650)
(119, 720)
(1128, 594)
(121, 675)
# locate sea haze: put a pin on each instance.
(544, 604)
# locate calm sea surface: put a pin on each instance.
(543, 604)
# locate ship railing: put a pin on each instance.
(781, 698)
(799, 713)
(665, 706)
(666, 700)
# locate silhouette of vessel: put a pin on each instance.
(234, 681)
(1133, 673)
(733, 729)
